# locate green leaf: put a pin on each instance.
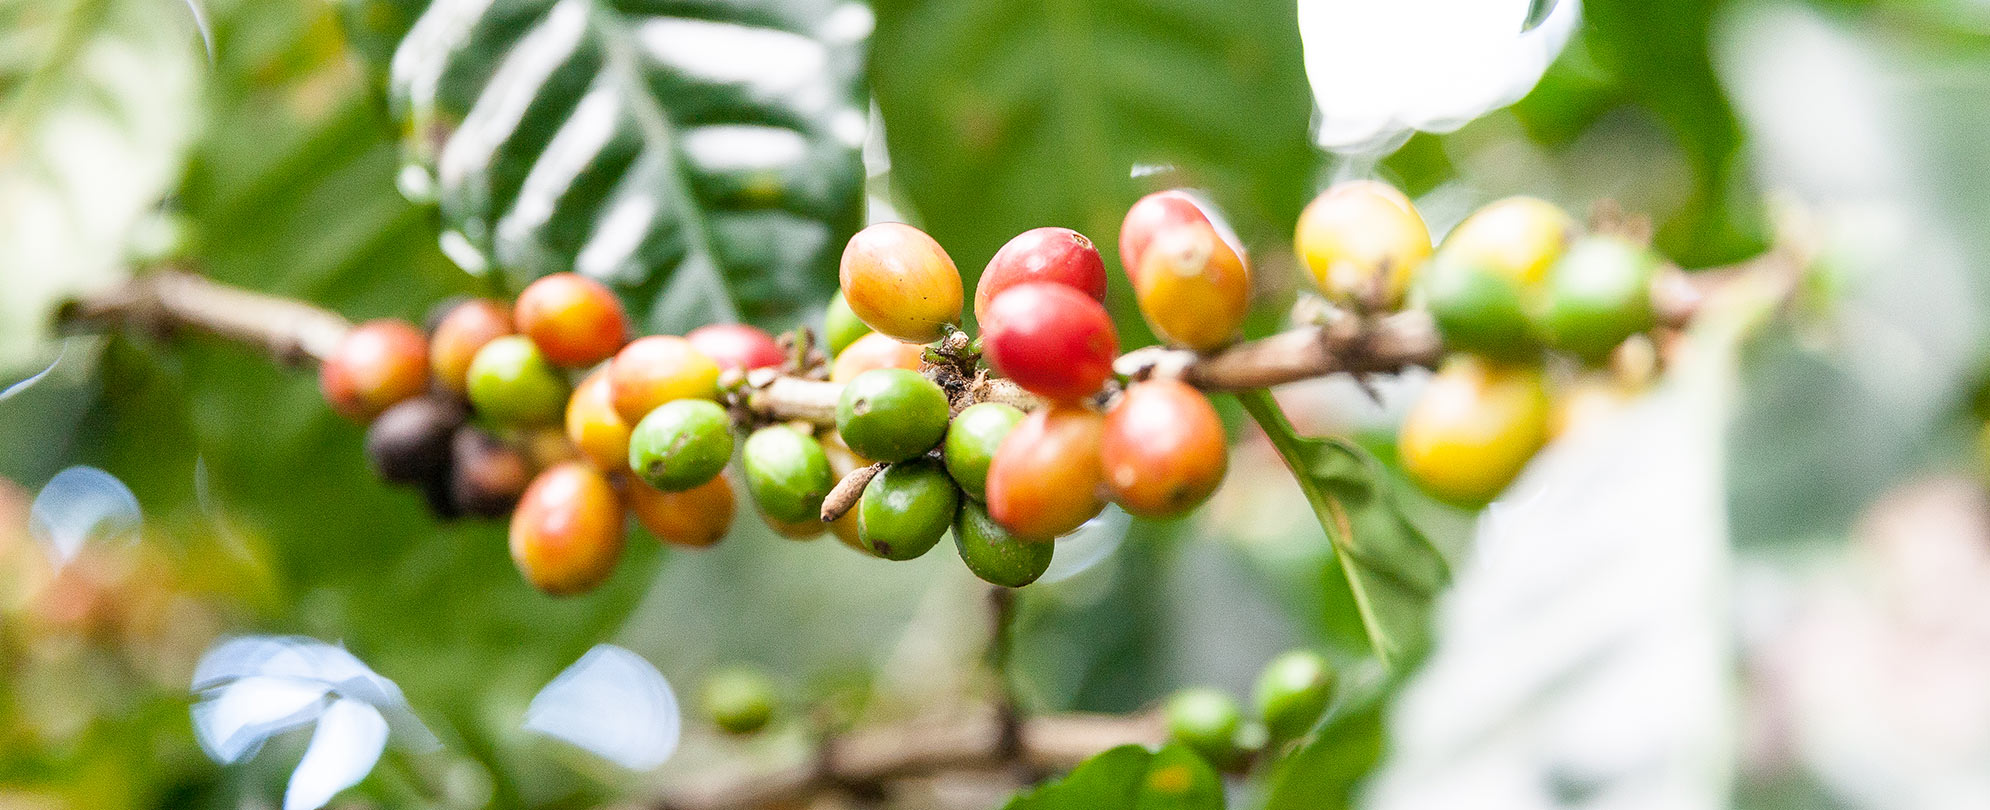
(701, 157)
(1006, 115)
(1323, 769)
(1392, 571)
(1130, 778)
(1537, 13)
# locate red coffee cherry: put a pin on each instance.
(1163, 449)
(567, 532)
(1050, 339)
(737, 346)
(458, 336)
(901, 282)
(695, 518)
(657, 369)
(1045, 479)
(376, 365)
(1056, 255)
(575, 320)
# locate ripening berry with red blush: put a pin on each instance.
(1045, 479)
(1056, 255)
(576, 320)
(737, 346)
(1163, 449)
(375, 365)
(1052, 340)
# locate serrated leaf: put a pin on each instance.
(1393, 572)
(700, 157)
(1130, 778)
(1007, 115)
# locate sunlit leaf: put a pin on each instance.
(1130, 778)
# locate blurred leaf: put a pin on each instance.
(1130, 778)
(1537, 12)
(703, 158)
(1659, 55)
(1584, 660)
(95, 113)
(1324, 768)
(1392, 571)
(1009, 115)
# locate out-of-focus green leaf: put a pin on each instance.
(1659, 56)
(1008, 115)
(702, 158)
(1392, 571)
(1130, 778)
(1537, 12)
(1323, 769)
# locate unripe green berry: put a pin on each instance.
(906, 509)
(891, 414)
(1293, 692)
(972, 440)
(739, 700)
(1205, 720)
(1598, 294)
(995, 555)
(1477, 309)
(512, 383)
(681, 445)
(788, 473)
(841, 326)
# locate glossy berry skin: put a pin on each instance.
(566, 534)
(1156, 213)
(1052, 340)
(486, 476)
(891, 414)
(1478, 309)
(576, 320)
(972, 440)
(1473, 429)
(841, 326)
(1519, 237)
(593, 425)
(788, 475)
(698, 517)
(1598, 295)
(1193, 286)
(375, 365)
(873, 351)
(657, 369)
(409, 442)
(681, 444)
(457, 336)
(906, 509)
(739, 700)
(900, 282)
(511, 383)
(1293, 691)
(1045, 480)
(1163, 450)
(1053, 255)
(995, 555)
(1362, 240)
(737, 346)
(1206, 721)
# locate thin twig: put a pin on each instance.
(168, 301)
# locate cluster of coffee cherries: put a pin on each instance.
(1515, 288)
(1292, 692)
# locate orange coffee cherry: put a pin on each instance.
(576, 320)
(567, 532)
(1163, 448)
(874, 351)
(596, 429)
(458, 336)
(657, 369)
(900, 282)
(695, 518)
(1046, 480)
(376, 365)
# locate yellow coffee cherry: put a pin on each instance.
(1473, 429)
(1362, 238)
(1519, 237)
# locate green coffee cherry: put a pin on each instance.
(1477, 309)
(906, 509)
(1205, 720)
(1293, 692)
(681, 445)
(891, 414)
(512, 383)
(995, 555)
(972, 440)
(1598, 294)
(738, 699)
(788, 473)
(841, 326)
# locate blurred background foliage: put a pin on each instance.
(277, 160)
